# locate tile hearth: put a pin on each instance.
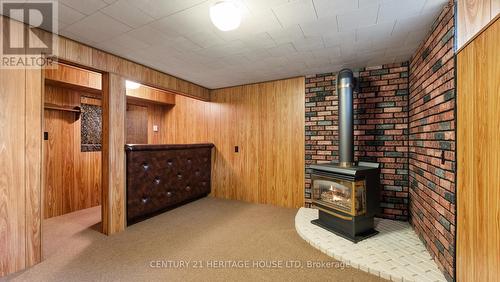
(396, 253)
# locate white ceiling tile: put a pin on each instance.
(399, 9)
(335, 39)
(331, 8)
(229, 48)
(186, 22)
(330, 53)
(295, 12)
(237, 60)
(258, 22)
(378, 30)
(408, 24)
(205, 39)
(263, 5)
(99, 20)
(150, 35)
(86, 7)
(300, 56)
(67, 15)
(86, 34)
(259, 41)
(256, 54)
(321, 27)
(286, 35)
(77, 36)
(434, 5)
(283, 49)
(348, 49)
(127, 13)
(368, 3)
(309, 44)
(395, 39)
(184, 44)
(162, 8)
(275, 61)
(129, 42)
(357, 18)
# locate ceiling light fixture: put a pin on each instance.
(131, 85)
(226, 15)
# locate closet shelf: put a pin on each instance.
(76, 110)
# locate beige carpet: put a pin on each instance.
(247, 237)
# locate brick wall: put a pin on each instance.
(381, 129)
(432, 137)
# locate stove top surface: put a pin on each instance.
(359, 168)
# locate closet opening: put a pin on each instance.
(72, 156)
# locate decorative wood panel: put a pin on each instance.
(113, 161)
(473, 16)
(72, 178)
(150, 95)
(478, 177)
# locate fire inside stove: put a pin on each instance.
(342, 195)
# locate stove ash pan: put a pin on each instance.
(347, 198)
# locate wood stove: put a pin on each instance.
(346, 194)
(347, 198)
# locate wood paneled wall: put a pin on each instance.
(72, 178)
(478, 177)
(20, 165)
(186, 122)
(266, 122)
(474, 15)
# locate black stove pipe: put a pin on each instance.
(345, 88)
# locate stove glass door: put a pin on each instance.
(342, 195)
